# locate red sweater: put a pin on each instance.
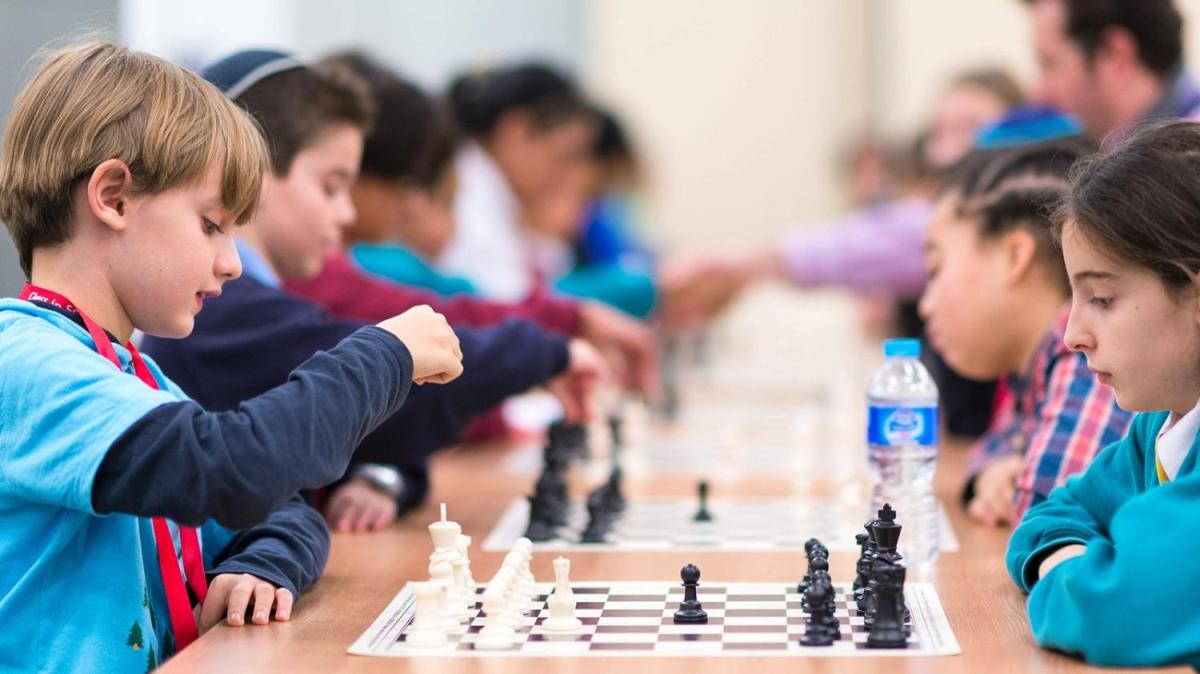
(347, 291)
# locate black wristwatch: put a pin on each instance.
(385, 479)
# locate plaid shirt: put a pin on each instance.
(1057, 415)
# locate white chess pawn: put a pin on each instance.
(512, 606)
(562, 602)
(453, 607)
(525, 579)
(497, 633)
(426, 630)
(465, 591)
(463, 543)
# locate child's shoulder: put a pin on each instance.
(26, 328)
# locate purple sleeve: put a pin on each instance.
(877, 250)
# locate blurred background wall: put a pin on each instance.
(744, 108)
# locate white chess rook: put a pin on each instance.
(425, 631)
(562, 602)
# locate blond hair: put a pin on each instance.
(98, 101)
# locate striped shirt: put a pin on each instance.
(1058, 416)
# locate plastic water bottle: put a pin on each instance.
(902, 435)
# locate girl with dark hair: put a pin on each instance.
(1107, 559)
(995, 308)
(526, 125)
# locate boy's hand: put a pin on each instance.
(434, 347)
(231, 595)
(994, 490)
(631, 346)
(575, 387)
(1059, 556)
(357, 506)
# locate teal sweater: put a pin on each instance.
(397, 263)
(1132, 598)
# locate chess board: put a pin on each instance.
(744, 524)
(635, 619)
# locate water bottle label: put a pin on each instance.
(902, 425)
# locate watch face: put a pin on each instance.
(383, 478)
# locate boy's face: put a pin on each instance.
(967, 297)
(1138, 338)
(560, 210)
(177, 249)
(534, 158)
(393, 210)
(960, 114)
(301, 215)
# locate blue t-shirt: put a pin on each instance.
(79, 591)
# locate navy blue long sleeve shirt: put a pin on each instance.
(254, 335)
(242, 468)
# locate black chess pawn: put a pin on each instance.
(816, 630)
(862, 566)
(816, 566)
(702, 514)
(887, 630)
(690, 611)
(598, 519)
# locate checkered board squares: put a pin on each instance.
(635, 619)
(740, 525)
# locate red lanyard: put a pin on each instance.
(178, 603)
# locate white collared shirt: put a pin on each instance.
(1175, 439)
(488, 247)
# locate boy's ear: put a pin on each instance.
(108, 192)
(1019, 248)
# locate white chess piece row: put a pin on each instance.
(507, 597)
(448, 598)
(445, 602)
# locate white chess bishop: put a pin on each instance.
(562, 602)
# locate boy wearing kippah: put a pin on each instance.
(248, 341)
(134, 520)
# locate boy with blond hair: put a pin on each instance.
(122, 180)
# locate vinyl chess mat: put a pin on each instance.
(744, 524)
(635, 619)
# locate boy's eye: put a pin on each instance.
(1101, 302)
(210, 227)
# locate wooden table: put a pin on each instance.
(986, 612)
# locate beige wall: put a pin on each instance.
(742, 105)
(746, 104)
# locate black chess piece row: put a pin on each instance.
(818, 598)
(549, 504)
(879, 583)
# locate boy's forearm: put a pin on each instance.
(235, 467)
(289, 550)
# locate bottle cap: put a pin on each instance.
(903, 348)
